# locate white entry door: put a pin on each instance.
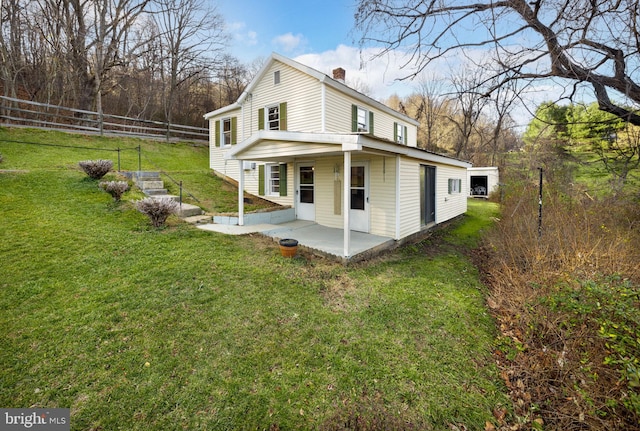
(305, 192)
(359, 212)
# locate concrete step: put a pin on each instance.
(165, 196)
(188, 210)
(155, 192)
(198, 219)
(145, 185)
(143, 175)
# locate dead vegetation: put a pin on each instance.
(567, 305)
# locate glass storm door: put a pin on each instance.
(305, 194)
(359, 211)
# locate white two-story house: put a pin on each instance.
(303, 139)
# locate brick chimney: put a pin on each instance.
(339, 74)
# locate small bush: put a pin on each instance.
(158, 210)
(96, 169)
(1, 158)
(115, 188)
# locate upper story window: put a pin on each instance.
(276, 77)
(400, 133)
(226, 131)
(273, 117)
(225, 138)
(361, 120)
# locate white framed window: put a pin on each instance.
(400, 134)
(273, 117)
(272, 177)
(455, 186)
(276, 77)
(362, 120)
(225, 136)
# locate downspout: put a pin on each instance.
(397, 197)
(241, 195)
(346, 202)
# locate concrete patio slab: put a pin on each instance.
(313, 236)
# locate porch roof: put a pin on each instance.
(282, 146)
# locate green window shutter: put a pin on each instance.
(261, 180)
(234, 130)
(395, 132)
(406, 138)
(261, 119)
(354, 118)
(283, 179)
(217, 133)
(370, 123)
(283, 116)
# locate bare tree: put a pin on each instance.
(429, 110)
(88, 38)
(502, 101)
(193, 39)
(233, 77)
(588, 42)
(469, 105)
(11, 26)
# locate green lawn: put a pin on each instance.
(135, 328)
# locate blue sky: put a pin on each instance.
(320, 34)
(289, 27)
(317, 33)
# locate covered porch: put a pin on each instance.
(340, 211)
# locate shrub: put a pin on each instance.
(158, 210)
(115, 188)
(96, 169)
(0, 158)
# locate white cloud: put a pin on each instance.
(388, 74)
(289, 42)
(381, 75)
(238, 32)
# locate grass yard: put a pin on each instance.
(136, 328)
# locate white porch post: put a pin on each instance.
(397, 197)
(241, 195)
(347, 202)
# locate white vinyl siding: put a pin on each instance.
(301, 92)
(275, 150)
(325, 182)
(382, 196)
(409, 197)
(216, 154)
(339, 117)
(448, 205)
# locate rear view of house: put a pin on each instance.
(303, 139)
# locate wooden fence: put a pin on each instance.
(19, 112)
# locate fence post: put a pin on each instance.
(180, 193)
(540, 206)
(139, 158)
(118, 159)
